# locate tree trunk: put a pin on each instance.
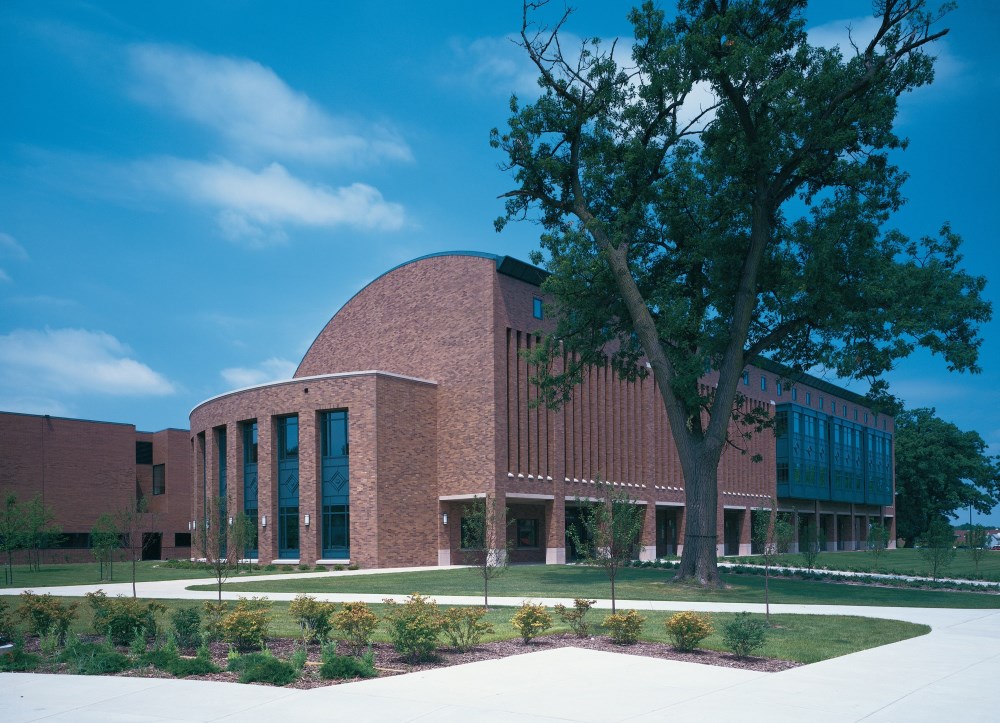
(699, 558)
(613, 611)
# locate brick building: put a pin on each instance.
(81, 469)
(414, 399)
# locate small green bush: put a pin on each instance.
(18, 661)
(414, 627)
(312, 616)
(340, 667)
(354, 566)
(6, 622)
(186, 624)
(624, 627)
(212, 616)
(263, 668)
(270, 567)
(44, 614)
(687, 629)
(464, 628)
(303, 567)
(299, 658)
(531, 620)
(245, 628)
(356, 624)
(576, 618)
(744, 634)
(120, 617)
(94, 658)
(168, 658)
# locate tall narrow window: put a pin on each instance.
(809, 399)
(763, 383)
(778, 388)
(159, 479)
(250, 485)
(746, 379)
(536, 308)
(220, 446)
(336, 493)
(288, 487)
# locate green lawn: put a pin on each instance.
(803, 638)
(88, 573)
(569, 581)
(899, 562)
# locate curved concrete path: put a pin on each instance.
(948, 673)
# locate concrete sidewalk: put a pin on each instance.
(937, 676)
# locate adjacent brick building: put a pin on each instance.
(81, 469)
(415, 398)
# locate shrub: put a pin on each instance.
(625, 627)
(120, 617)
(18, 661)
(167, 658)
(213, 613)
(303, 567)
(356, 623)
(44, 614)
(299, 658)
(6, 622)
(354, 566)
(338, 568)
(687, 629)
(531, 620)
(312, 616)
(744, 634)
(186, 624)
(263, 668)
(464, 628)
(575, 618)
(414, 627)
(246, 626)
(94, 658)
(339, 667)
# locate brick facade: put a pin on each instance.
(428, 361)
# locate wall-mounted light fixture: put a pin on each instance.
(444, 518)
(307, 520)
(263, 520)
(230, 521)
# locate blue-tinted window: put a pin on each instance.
(288, 438)
(746, 378)
(159, 479)
(536, 308)
(795, 394)
(763, 383)
(809, 399)
(778, 385)
(527, 533)
(821, 404)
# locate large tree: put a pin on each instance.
(698, 237)
(939, 469)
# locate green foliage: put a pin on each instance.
(120, 617)
(752, 230)
(6, 622)
(464, 627)
(687, 629)
(576, 618)
(939, 468)
(299, 658)
(744, 634)
(93, 658)
(937, 548)
(811, 543)
(312, 616)
(878, 542)
(773, 532)
(977, 544)
(611, 524)
(213, 614)
(413, 626)
(624, 627)
(263, 668)
(486, 548)
(356, 624)
(168, 659)
(105, 538)
(137, 647)
(44, 614)
(341, 667)
(186, 626)
(245, 628)
(531, 620)
(19, 661)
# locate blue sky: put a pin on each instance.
(189, 190)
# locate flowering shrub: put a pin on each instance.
(575, 617)
(356, 623)
(744, 634)
(246, 626)
(687, 629)
(624, 627)
(312, 616)
(464, 628)
(414, 626)
(46, 615)
(531, 620)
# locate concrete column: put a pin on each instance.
(647, 547)
(555, 530)
(310, 466)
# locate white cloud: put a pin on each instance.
(74, 361)
(252, 206)
(27, 404)
(254, 109)
(496, 65)
(4, 277)
(271, 370)
(10, 248)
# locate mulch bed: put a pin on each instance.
(388, 661)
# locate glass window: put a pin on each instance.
(778, 388)
(809, 398)
(795, 394)
(527, 533)
(821, 404)
(182, 539)
(250, 443)
(763, 383)
(746, 378)
(159, 479)
(288, 438)
(855, 414)
(845, 409)
(536, 308)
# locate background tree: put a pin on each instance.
(484, 540)
(133, 520)
(610, 526)
(937, 547)
(978, 544)
(40, 530)
(242, 537)
(878, 541)
(811, 543)
(939, 468)
(105, 538)
(773, 533)
(12, 536)
(701, 237)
